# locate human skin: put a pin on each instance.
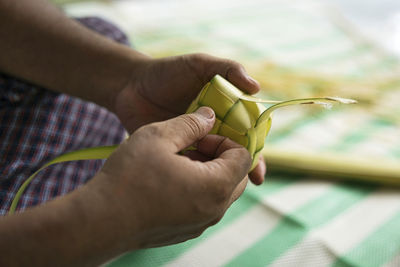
(47, 48)
(147, 194)
(134, 203)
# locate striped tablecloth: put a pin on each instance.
(288, 221)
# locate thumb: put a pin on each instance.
(185, 130)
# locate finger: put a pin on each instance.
(208, 66)
(179, 133)
(232, 162)
(229, 159)
(208, 148)
(196, 155)
(257, 174)
(210, 145)
(237, 75)
(227, 164)
(233, 72)
(238, 190)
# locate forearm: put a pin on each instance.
(74, 230)
(42, 45)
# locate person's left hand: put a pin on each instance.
(163, 88)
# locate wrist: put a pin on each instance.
(124, 68)
(104, 203)
(71, 230)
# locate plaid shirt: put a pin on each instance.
(37, 125)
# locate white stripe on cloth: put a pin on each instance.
(323, 245)
(256, 223)
(323, 133)
(394, 262)
(380, 142)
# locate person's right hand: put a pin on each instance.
(162, 197)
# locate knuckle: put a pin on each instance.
(245, 159)
(200, 56)
(195, 61)
(231, 64)
(245, 155)
(199, 63)
(221, 194)
(149, 131)
(211, 206)
(205, 210)
(238, 152)
(227, 143)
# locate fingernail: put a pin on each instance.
(206, 112)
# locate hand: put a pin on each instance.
(162, 197)
(161, 89)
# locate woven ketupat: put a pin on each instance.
(236, 118)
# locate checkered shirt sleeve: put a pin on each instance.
(37, 125)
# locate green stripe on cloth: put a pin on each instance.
(377, 249)
(395, 152)
(359, 135)
(160, 256)
(295, 226)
